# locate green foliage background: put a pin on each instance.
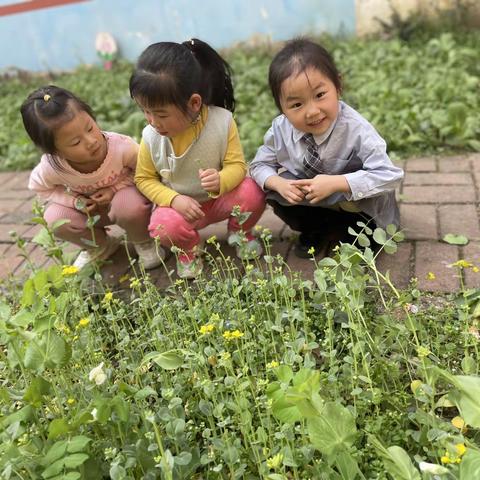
(421, 94)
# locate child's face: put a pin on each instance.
(80, 141)
(169, 120)
(309, 101)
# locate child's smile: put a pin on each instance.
(310, 101)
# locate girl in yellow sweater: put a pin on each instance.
(190, 163)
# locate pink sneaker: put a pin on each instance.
(189, 266)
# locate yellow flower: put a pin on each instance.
(461, 449)
(311, 251)
(431, 276)
(108, 297)
(475, 269)
(83, 322)
(462, 264)
(212, 239)
(204, 329)
(69, 270)
(458, 422)
(423, 351)
(134, 283)
(272, 364)
(415, 385)
(275, 461)
(456, 457)
(71, 401)
(225, 356)
(232, 335)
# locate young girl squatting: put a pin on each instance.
(324, 167)
(190, 163)
(85, 172)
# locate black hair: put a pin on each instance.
(47, 109)
(294, 58)
(169, 73)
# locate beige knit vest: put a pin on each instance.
(180, 173)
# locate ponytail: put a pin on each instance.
(170, 73)
(217, 74)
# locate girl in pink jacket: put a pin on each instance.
(84, 173)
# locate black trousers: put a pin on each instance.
(318, 221)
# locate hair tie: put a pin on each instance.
(46, 97)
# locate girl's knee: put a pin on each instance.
(170, 227)
(253, 196)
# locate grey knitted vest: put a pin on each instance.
(180, 173)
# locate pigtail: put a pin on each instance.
(217, 75)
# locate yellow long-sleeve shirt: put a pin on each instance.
(233, 171)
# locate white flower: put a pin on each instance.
(93, 413)
(432, 468)
(97, 375)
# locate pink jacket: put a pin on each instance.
(63, 186)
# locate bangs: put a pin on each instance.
(154, 90)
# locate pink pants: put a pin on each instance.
(128, 209)
(172, 229)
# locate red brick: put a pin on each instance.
(454, 164)
(426, 164)
(10, 260)
(471, 253)
(398, 265)
(475, 162)
(433, 178)
(16, 194)
(7, 206)
(460, 220)
(5, 228)
(5, 177)
(440, 194)
(419, 222)
(435, 257)
(19, 181)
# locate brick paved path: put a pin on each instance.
(438, 196)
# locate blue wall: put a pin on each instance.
(63, 37)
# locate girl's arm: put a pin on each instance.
(264, 170)
(234, 166)
(148, 180)
(129, 153)
(265, 164)
(45, 183)
(378, 175)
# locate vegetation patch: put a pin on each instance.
(421, 95)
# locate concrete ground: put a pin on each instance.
(439, 195)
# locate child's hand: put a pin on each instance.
(209, 179)
(85, 205)
(103, 196)
(322, 186)
(188, 207)
(287, 189)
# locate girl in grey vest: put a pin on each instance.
(190, 163)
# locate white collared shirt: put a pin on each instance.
(351, 147)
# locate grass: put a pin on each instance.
(251, 371)
(421, 95)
